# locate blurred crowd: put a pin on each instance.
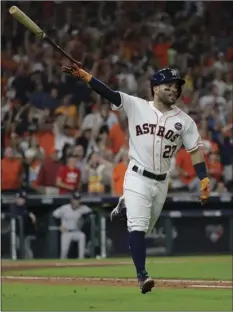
(58, 136)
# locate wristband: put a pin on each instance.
(85, 76)
(106, 92)
(201, 171)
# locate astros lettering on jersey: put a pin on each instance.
(155, 137)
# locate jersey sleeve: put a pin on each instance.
(85, 209)
(127, 103)
(191, 137)
(59, 212)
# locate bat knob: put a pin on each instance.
(13, 9)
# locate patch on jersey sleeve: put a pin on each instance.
(178, 126)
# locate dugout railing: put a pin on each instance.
(185, 227)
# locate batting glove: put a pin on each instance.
(77, 72)
(205, 190)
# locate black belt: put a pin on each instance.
(150, 175)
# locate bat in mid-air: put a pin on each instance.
(30, 25)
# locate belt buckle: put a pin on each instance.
(140, 171)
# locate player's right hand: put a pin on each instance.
(72, 69)
(205, 190)
(63, 229)
(119, 210)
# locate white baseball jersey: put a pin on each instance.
(70, 217)
(155, 137)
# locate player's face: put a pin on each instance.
(168, 93)
(20, 201)
(75, 203)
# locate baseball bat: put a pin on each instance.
(34, 28)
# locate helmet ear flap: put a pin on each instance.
(152, 85)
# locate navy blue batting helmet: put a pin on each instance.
(166, 75)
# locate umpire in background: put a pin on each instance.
(19, 209)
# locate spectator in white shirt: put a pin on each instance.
(99, 117)
(221, 63)
(212, 98)
(219, 83)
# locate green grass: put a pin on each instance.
(34, 297)
(169, 259)
(22, 297)
(191, 269)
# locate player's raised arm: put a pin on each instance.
(192, 142)
(98, 86)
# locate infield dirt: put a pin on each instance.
(161, 283)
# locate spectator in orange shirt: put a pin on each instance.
(11, 170)
(118, 175)
(185, 167)
(7, 62)
(69, 176)
(161, 51)
(46, 140)
(118, 135)
(186, 171)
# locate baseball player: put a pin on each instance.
(20, 208)
(70, 216)
(157, 129)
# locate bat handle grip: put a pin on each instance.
(74, 61)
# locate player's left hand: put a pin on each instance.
(119, 210)
(205, 190)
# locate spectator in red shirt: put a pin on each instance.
(46, 180)
(68, 178)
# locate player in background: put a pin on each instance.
(157, 129)
(71, 216)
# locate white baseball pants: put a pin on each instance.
(144, 200)
(67, 238)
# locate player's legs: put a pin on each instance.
(160, 193)
(80, 237)
(138, 201)
(27, 247)
(66, 239)
(138, 209)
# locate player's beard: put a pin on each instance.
(167, 98)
